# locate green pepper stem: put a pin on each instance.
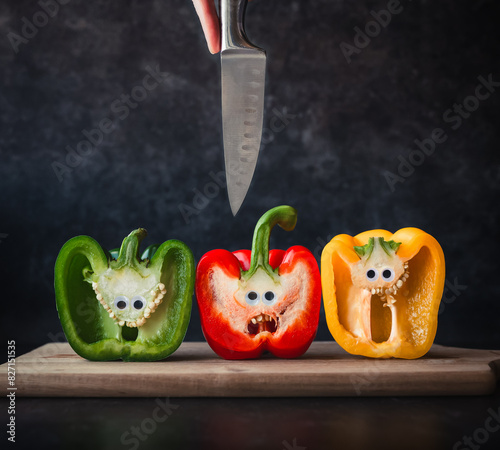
(129, 251)
(365, 251)
(286, 217)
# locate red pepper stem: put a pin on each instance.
(286, 217)
(129, 251)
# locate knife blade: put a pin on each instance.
(243, 72)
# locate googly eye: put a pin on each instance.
(138, 302)
(121, 302)
(371, 274)
(252, 298)
(388, 274)
(269, 298)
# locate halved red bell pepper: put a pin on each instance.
(257, 300)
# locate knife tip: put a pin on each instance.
(235, 205)
(234, 209)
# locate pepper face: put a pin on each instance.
(123, 306)
(382, 292)
(255, 300)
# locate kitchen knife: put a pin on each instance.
(243, 68)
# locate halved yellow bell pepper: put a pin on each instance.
(382, 291)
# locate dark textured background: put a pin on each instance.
(351, 123)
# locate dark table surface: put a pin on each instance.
(456, 423)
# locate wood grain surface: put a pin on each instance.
(54, 370)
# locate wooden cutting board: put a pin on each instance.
(54, 370)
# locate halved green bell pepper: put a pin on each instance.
(124, 306)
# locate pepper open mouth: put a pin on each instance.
(261, 323)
